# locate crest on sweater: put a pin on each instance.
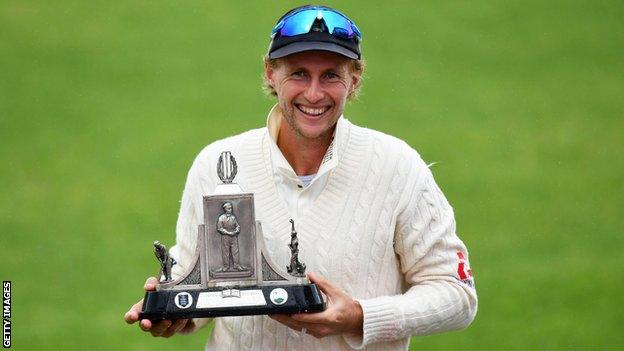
(463, 270)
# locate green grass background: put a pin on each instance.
(104, 104)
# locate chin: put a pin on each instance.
(314, 133)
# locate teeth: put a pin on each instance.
(312, 111)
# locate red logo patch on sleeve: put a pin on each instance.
(463, 269)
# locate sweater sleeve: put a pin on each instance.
(440, 293)
(189, 218)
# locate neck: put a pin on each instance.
(304, 155)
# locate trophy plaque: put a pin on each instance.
(231, 274)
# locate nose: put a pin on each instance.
(314, 92)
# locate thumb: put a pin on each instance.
(150, 284)
(326, 287)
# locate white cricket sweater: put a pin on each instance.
(381, 230)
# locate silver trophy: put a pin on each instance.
(232, 274)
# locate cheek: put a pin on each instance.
(339, 91)
(290, 88)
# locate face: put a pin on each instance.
(312, 89)
(227, 207)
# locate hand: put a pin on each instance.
(342, 315)
(164, 328)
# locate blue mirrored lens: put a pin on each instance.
(337, 24)
(301, 22)
(298, 23)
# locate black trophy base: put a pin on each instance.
(240, 301)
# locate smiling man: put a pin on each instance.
(312, 89)
(374, 228)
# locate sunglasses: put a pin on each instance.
(300, 22)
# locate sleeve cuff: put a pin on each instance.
(380, 323)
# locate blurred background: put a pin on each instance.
(104, 105)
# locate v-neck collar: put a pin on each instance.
(318, 222)
(330, 160)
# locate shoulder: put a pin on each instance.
(390, 147)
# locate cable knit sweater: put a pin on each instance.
(381, 230)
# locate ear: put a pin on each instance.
(356, 80)
(269, 73)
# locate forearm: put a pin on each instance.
(428, 308)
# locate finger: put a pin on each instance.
(282, 318)
(287, 321)
(189, 327)
(174, 328)
(328, 288)
(145, 324)
(150, 284)
(133, 314)
(182, 325)
(160, 327)
(131, 317)
(314, 318)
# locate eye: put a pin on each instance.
(331, 75)
(298, 74)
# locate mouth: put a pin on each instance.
(313, 112)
